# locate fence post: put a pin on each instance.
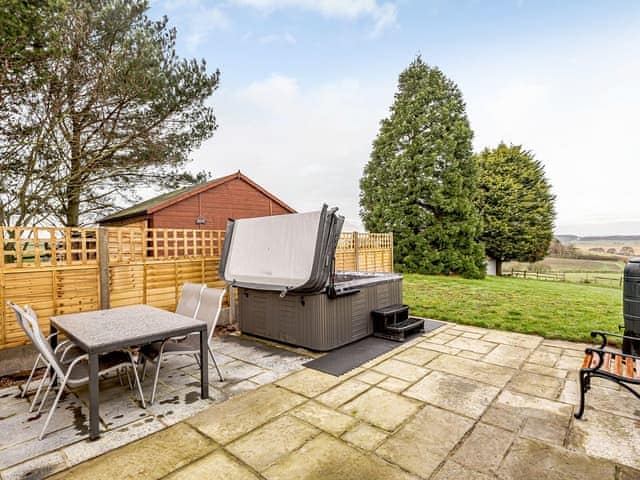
(232, 305)
(103, 265)
(391, 242)
(356, 251)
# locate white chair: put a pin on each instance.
(190, 299)
(209, 309)
(63, 351)
(75, 373)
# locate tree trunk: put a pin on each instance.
(74, 184)
(498, 268)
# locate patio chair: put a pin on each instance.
(621, 368)
(64, 350)
(208, 311)
(76, 372)
(189, 300)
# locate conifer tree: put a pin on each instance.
(420, 181)
(516, 205)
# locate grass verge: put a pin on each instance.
(551, 309)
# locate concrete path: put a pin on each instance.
(459, 403)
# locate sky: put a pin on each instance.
(305, 84)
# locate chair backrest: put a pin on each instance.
(190, 299)
(31, 312)
(37, 338)
(210, 307)
(21, 320)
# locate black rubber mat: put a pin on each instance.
(343, 359)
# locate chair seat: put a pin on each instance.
(614, 363)
(80, 373)
(189, 345)
(72, 353)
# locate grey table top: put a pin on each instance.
(104, 330)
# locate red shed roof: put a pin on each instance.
(165, 200)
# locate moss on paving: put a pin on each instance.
(551, 309)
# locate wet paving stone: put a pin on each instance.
(421, 453)
(324, 418)
(264, 446)
(213, 466)
(342, 393)
(365, 436)
(460, 395)
(229, 420)
(607, 435)
(383, 409)
(326, 458)
(153, 458)
(530, 459)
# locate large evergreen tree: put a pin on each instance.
(420, 182)
(516, 205)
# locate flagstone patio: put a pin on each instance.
(458, 403)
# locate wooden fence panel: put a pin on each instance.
(126, 285)
(58, 270)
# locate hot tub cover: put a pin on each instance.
(282, 252)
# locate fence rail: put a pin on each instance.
(559, 277)
(67, 270)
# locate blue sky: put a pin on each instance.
(305, 84)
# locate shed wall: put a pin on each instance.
(234, 199)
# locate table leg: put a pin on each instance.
(53, 340)
(204, 364)
(94, 397)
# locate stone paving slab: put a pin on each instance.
(150, 458)
(229, 420)
(443, 406)
(529, 459)
(484, 449)
(324, 418)
(381, 408)
(460, 395)
(213, 466)
(425, 441)
(282, 436)
(326, 458)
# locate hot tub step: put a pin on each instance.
(400, 331)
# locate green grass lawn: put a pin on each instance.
(551, 309)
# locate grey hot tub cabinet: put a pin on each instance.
(316, 321)
(281, 266)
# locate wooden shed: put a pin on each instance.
(206, 206)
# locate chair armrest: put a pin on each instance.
(61, 344)
(54, 334)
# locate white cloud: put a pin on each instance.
(274, 93)
(201, 18)
(308, 145)
(383, 15)
(277, 38)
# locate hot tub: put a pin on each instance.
(282, 267)
(315, 320)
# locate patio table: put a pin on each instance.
(104, 331)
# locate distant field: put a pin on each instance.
(551, 309)
(569, 265)
(605, 273)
